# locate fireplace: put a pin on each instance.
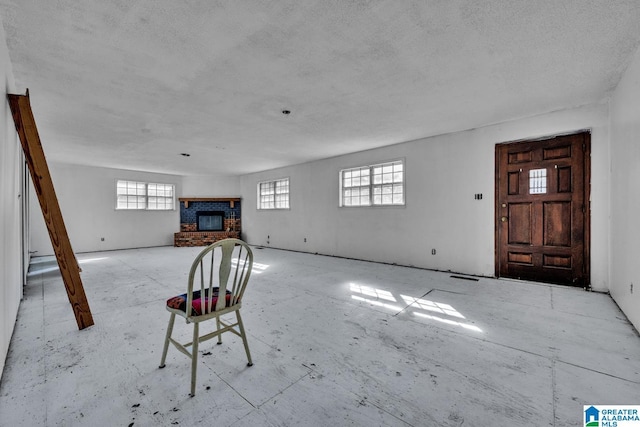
(210, 221)
(205, 220)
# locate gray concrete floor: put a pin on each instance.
(334, 342)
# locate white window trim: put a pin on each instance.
(146, 196)
(371, 185)
(273, 182)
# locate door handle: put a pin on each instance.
(504, 219)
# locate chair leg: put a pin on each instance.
(172, 319)
(244, 337)
(218, 326)
(194, 357)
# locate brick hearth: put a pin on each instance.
(202, 238)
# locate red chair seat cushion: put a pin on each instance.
(179, 302)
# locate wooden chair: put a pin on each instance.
(222, 268)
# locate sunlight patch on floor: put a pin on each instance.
(427, 305)
(257, 267)
(422, 308)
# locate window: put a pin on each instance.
(374, 185)
(273, 194)
(142, 195)
(537, 181)
(160, 197)
(356, 187)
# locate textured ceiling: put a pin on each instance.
(132, 85)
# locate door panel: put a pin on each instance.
(564, 179)
(520, 224)
(542, 222)
(557, 223)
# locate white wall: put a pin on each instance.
(87, 200)
(442, 175)
(625, 192)
(210, 186)
(11, 274)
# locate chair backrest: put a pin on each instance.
(220, 273)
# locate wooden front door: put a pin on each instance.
(542, 210)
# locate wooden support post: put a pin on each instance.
(28, 133)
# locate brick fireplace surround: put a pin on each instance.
(190, 206)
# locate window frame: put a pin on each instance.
(371, 185)
(143, 196)
(272, 188)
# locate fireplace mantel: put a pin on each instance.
(187, 200)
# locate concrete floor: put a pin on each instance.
(334, 342)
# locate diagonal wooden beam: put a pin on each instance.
(34, 154)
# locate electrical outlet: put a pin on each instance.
(433, 251)
(631, 288)
(102, 239)
(305, 240)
